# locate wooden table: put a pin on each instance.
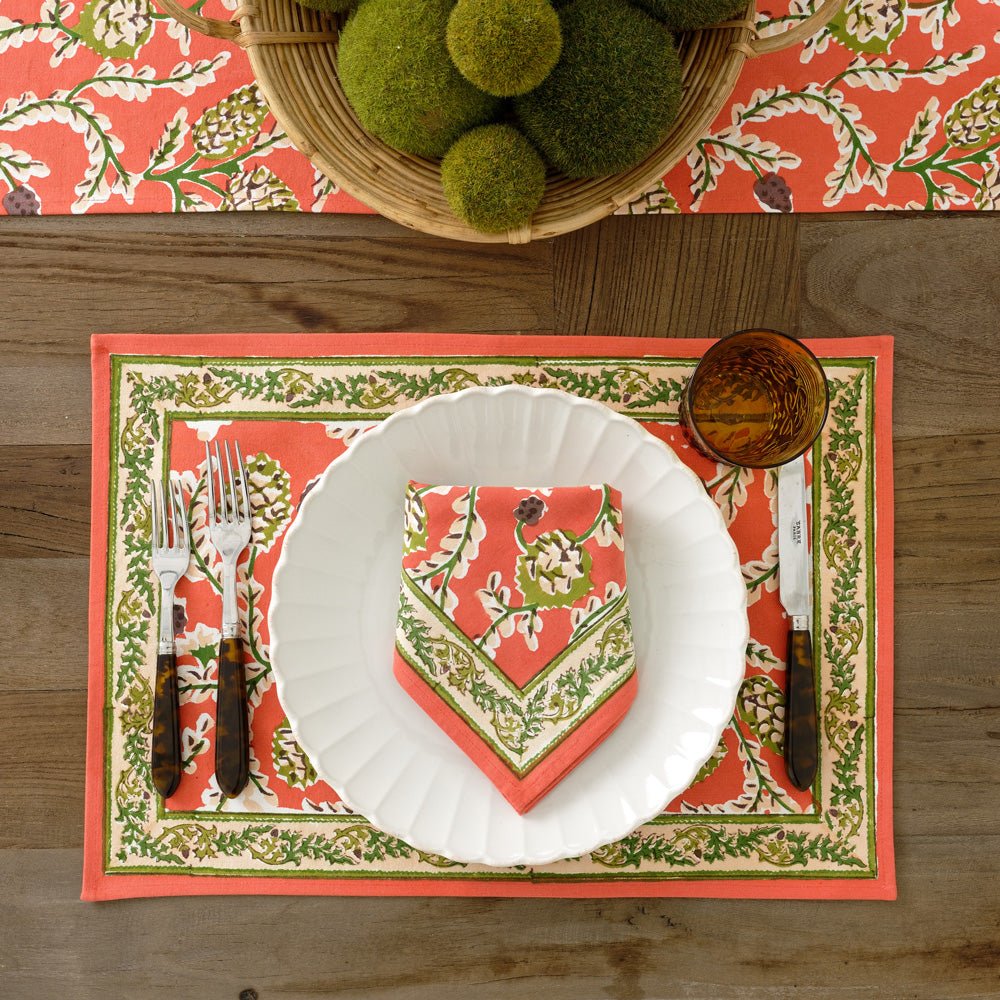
(933, 282)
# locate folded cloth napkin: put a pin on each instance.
(514, 632)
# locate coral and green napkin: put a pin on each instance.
(514, 632)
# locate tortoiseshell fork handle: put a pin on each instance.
(232, 730)
(166, 756)
(800, 717)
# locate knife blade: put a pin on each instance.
(795, 588)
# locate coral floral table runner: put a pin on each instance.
(295, 404)
(111, 106)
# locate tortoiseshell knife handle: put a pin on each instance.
(166, 756)
(232, 730)
(800, 716)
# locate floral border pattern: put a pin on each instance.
(521, 729)
(742, 839)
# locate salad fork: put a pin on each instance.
(171, 553)
(229, 518)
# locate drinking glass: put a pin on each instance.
(757, 398)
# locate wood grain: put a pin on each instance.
(33, 591)
(46, 403)
(44, 501)
(931, 281)
(947, 569)
(432, 948)
(165, 274)
(41, 769)
(678, 276)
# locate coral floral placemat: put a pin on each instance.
(111, 106)
(295, 404)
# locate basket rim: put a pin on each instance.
(292, 53)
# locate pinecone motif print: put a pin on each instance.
(230, 125)
(530, 510)
(658, 201)
(259, 190)
(975, 119)
(871, 25)
(988, 196)
(22, 201)
(773, 192)
(761, 705)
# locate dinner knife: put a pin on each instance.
(795, 582)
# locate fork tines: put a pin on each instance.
(221, 507)
(173, 532)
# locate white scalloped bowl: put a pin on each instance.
(332, 625)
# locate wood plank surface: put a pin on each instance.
(933, 282)
(44, 500)
(41, 590)
(694, 277)
(313, 948)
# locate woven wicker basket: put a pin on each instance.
(293, 53)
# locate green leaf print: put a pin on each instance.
(975, 119)
(228, 126)
(129, 609)
(631, 387)
(457, 550)
(633, 850)
(554, 571)
(869, 26)
(164, 154)
(987, 197)
(414, 521)
(712, 764)
(515, 721)
(116, 28)
(761, 705)
(133, 437)
(290, 761)
(259, 190)
(656, 201)
(270, 498)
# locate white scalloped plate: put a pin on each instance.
(332, 625)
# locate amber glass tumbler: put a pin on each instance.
(758, 398)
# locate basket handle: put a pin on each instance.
(819, 18)
(231, 30)
(210, 26)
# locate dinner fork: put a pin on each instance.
(171, 553)
(229, 518)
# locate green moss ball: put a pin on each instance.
(493, 178)
(328, 6)
(613, 95)
(689, 15)
(505, 47)
(396, 72)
